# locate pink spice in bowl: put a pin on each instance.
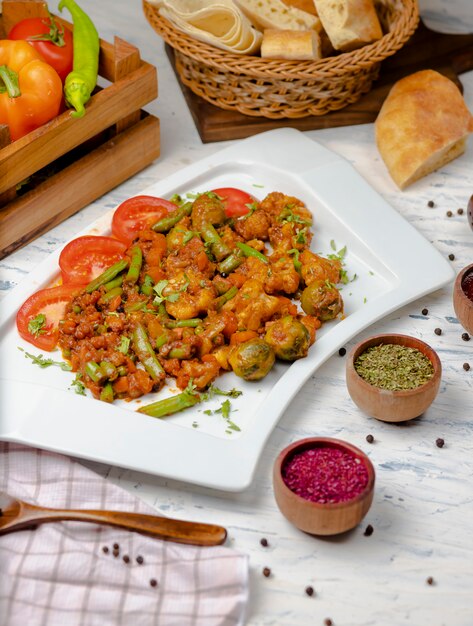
(323, 486)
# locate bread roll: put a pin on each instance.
(275, 14)
(423, 124)
(294, 45)
(349, 24)
(304, 5)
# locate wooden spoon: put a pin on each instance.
(16, 514)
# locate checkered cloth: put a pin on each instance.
(66, 574)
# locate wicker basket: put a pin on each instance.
(278, 89)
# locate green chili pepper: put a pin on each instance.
(80, 83)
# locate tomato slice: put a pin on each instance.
(52, 304)
(58, 56)
(138, 213)
(235, 201)
(84, 258)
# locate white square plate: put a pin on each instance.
(394, 265)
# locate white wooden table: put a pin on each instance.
(422, 512)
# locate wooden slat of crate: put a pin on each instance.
(32, 152)
(70, 162)
(77, 185)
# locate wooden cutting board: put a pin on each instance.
(448, 54)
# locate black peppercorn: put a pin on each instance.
(439, 442)
(264, 542)
(266, 572)
(140, 560)
(460, 211)
(430, 580)
(438, 331)
(430, 204)
(342, 351)
(449, 214)
(369, 438)
(116, 553)
(153, 582)
(466, 337)
(328, 622)
(126, 558)
(425, 311)
(116, 546)
(451, 257)
(309, 591)
(466, 366)
(368, 531)
(105, 550)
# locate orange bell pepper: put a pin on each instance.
(30, 89)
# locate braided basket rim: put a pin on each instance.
(257, 67)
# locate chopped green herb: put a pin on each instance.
(332, 244)
(256, 185)
(215, 391)
(124, 344)
(301, 236)
(287, 215)
(365, 300)
(207, 412)
(78, 384)
(173, 297)
(295, 260)
(371, 273)
(195, 425)
(36, 325)
(394, 367)
(44, 362)
(252, 208)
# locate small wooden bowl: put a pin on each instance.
(461, 302)
(386, 405)
(313, 517)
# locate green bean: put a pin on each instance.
(191, 323)
(109, 370)
(135, 265)
(145, 353)
(106, 395)
(179, 353)
(80, 83)
(249, 251)
(219, 248)
(161, 340)
(171, 405)
(113, 293)
(166, 223)
(94, 371)
(231, 262)
(136, 306)
(225, 297)
(109, 274)
(116, 282)
(147, 286)
(77, 309)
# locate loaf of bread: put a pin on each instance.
(275, 14)
(294, 45)
(423, 124)
(349, 24)
(304, 5)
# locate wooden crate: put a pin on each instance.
(54, 171)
